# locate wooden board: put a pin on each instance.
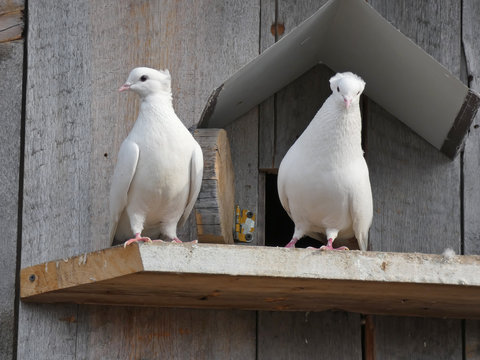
(262, 278)
(416, 189)
(11, 20)
(174, 334)
(79, 54)
(309, 335)
(214, 208)
(471, 160)
(11, 68)
(243, 139)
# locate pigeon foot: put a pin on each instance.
(136, 239)
(178, 241)
(329, 246)
(292, 243)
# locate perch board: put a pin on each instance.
(261, 278)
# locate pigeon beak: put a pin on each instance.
(124, 87)
(347, 102)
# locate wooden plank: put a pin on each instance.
(420, 336)
(243, 138)
(166, 337)
(11, 68)
(416, 189)
(266, 278)
(78, 57)
(269, 34)
(214, 208)
(11, 20)
(310, 335)
(471, 160)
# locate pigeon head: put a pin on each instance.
(347, 88)
(145, 81)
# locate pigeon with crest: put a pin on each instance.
(323, 180)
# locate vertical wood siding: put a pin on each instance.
(80, 52)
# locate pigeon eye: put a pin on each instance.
(143, 78)
(338, 89)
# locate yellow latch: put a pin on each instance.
(244, 225)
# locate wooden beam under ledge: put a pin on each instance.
(261, 278)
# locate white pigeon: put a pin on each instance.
(159, 169)
(323, 180)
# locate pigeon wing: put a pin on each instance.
(121, 180)
(196, 175)
(361, 207)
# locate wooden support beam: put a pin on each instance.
(262, 278)
(214, 208)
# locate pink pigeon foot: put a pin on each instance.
(177, 241)
(329, 246)
(136, 239)
(292, 243)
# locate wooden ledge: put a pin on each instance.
(261, 278)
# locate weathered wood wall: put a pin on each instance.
(417, 198)
(11, 70)
(471, 160)
(80, 52)
(78, 55)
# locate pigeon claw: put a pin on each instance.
(329, 246)
(136, 239)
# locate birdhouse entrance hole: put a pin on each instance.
(278, 225)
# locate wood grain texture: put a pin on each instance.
(215, 207)
(243, 138)
(175, 334)
(471, 161)
(471, 166)
(472, 339)
(266, 121)
(79, 54)
(262, 278)
(417, 338)
(11, 20)
(11, 68)
(309, 335)
(416, 189)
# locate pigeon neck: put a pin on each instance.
(163, 97)
(337, 131)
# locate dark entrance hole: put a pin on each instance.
(278, 225)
